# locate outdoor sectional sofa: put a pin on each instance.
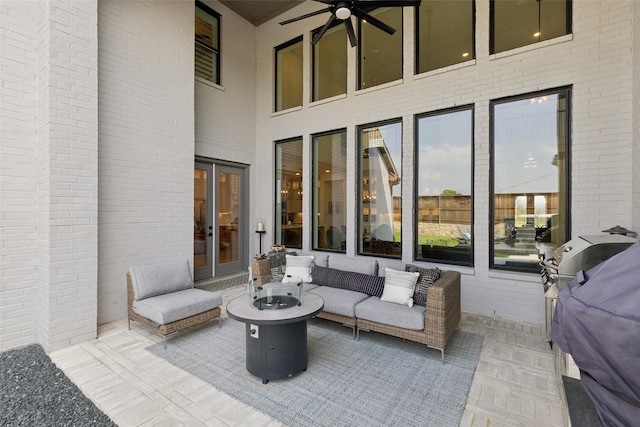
(352, 289)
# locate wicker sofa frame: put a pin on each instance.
(169, 328)
(441, 317)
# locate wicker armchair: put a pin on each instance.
(170, 327)
(442, 315)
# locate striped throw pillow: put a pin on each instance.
(427, 277)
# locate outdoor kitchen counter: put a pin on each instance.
(276, 340)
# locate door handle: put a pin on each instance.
(210, 234)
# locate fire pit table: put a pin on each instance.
(275, 317)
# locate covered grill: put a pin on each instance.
(581, 253)
(596, 320)
(567, 261)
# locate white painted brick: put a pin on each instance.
(41, 130)
(49, 158)
(596, 63)
(147, 141)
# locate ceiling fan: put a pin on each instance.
(343, 10)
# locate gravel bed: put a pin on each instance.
(34, 392)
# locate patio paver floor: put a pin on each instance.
(514, 383)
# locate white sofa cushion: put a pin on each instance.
(167, 308)
(401, 316)
(158, 279)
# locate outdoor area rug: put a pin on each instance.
(35, 392)
(376, 381)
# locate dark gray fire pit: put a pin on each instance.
(276, 329)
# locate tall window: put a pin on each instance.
(444, 33)
(444, 186)
(530, 175)
(380, 189)
(330, 64)
(207, 54)
(380, 53)
(329, 194)
(289, 75)
(523, 22)
(288, 195)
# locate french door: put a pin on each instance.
(203, 220)
(230, 230)
(220, 218)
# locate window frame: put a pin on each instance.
(217, 51)
(314, 189)
(417, 39)
(295, 40)
(492, 26)
(314, 96)
(359, 47)
(277, 222)
(417, 256)
(567, 91)
(360, 189)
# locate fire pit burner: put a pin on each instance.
(276, 302)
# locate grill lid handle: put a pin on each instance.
(617, 230)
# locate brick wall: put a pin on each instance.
(146, 130)
(18, 156)
(636, 118)
(225, 115)
(49, 173)
(596, 60)
(137, 136)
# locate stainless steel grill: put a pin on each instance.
(581, 253)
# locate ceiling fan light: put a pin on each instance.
(343, 13)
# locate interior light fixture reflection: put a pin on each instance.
(537, 34)
(465, 54)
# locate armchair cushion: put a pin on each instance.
(167, 308)
(158, 279)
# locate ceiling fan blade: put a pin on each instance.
(323, 29)
(352, 34)
(386, 3)
(374, 21)
(308, 15)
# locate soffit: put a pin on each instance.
(260, 11)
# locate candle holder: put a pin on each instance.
(260, 233)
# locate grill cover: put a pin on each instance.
(597, 321)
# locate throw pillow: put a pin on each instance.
(399, 286)
(365, 283)
(427, 277)
(298, 266)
